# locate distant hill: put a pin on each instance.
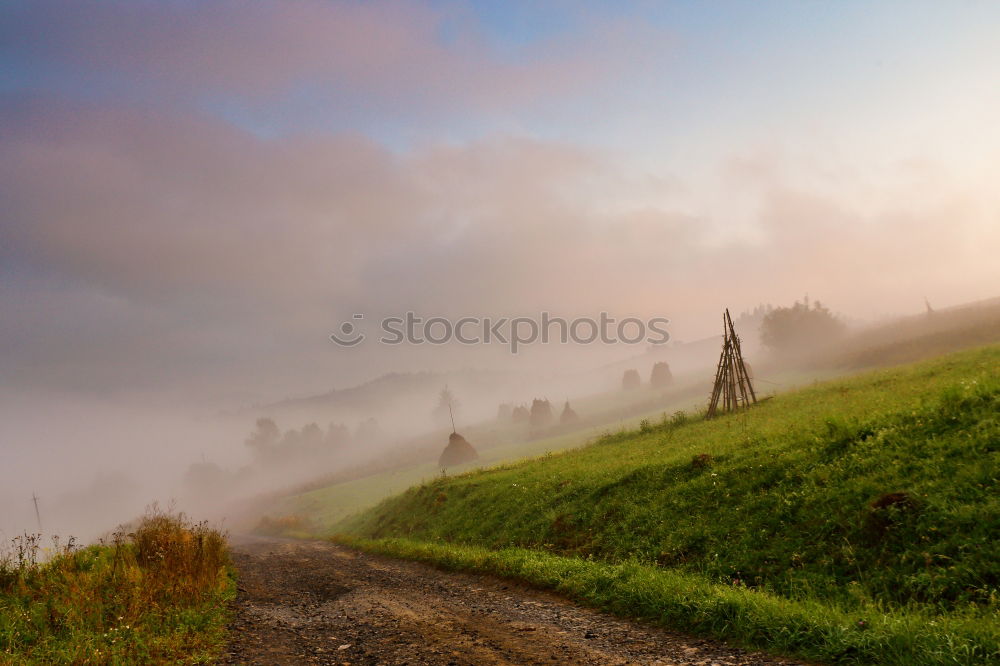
(364, 396)
(402, 402)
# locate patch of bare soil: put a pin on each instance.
(313, 602)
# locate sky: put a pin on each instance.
(196, 194)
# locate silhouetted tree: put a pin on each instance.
(337, 435)
(265, 437)
(311, 437)
(520, 414)
(442, 413)
(800, 327)
(290, 442)
(368, 431)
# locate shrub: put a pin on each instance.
(155, 594)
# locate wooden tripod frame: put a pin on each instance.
(733, 389)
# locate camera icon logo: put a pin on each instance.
(349, 335)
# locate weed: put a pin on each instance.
(154, 594)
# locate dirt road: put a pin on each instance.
(312, 602)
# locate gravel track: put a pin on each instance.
(314, 602)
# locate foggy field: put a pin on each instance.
(318, 510)
(468, 281)
(873, 498)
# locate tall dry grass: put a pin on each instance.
(154, 592)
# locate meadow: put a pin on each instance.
(157, 593)
(317, 511)
(318, 508)
(852, 521)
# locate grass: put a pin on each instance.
(872, 497)
(155, 595)
(318, 511)
(691, 603)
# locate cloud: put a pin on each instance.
(144, 249)
(342, 54)
(157, 236)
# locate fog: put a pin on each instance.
(195, 196)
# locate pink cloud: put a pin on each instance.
(183, 239)
(389, 50)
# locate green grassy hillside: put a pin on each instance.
(871, 495)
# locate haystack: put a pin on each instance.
(541, 413)
(457, 452)
(631, 380)
(661, 377)
(568, 415)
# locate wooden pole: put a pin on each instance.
(713, 401)
(38, 516)
(744, 375)
(738, 370)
